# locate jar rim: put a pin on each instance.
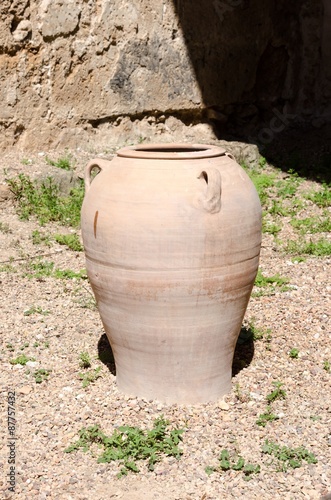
(170, 151)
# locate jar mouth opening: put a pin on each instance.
(168, 151)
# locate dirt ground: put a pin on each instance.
(53, 320)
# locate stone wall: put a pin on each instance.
(78, 72)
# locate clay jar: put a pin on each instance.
(172, 236)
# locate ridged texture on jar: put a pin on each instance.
(172, 237)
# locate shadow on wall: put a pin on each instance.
(261, 66)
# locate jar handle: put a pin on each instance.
(211, 200)
(97, 163)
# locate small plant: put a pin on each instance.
(26, 161)
(39, 238)
(327, 365)
(261, 333)
(7, 268)
(41, 375)
(24, 346)
(277, 208)
(10, 347)
(87, 303)
(287, 188)
(294, 353)
(298, 259)
(70, 240)
(318, 248)
(271, 228)
(262, 182)
(262, 162)
(69, 274)
(313, 224)
(22, 359)
(264, 281)
(288, 457)
(130, 444)
(269, 284)
(266, 417)
(5, 228)
(90, 377)
(45, 202)
(35, 310)
(277, 393)
(62, 162)
(252, 332)
(238, 464)
(243, 397)
(44, 269)
(40, 269)
(321, 198)
(84, 360)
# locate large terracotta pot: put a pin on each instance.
(172, 237)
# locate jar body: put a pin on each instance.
(172, 237)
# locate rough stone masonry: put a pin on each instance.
(73, 72)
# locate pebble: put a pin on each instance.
(25, 389)
(32, 364)
(223, 405)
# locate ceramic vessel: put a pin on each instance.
(172, 236)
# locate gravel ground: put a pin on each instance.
(54, 320)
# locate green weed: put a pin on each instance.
(262, 183)
(319, 248)
(294, 353)
(252, 332)
(39, 238)
(313, 224)
(130, 444)
(84, 360)
(321, 198)
(277, 208)
(63, 162)
(268, 285)
(5, 228)
(262, 162)
(265, 281)
(69, 274)
(266, 417)
(288, 457)
(270, 227)
(45, 202)
(7, 268)
(35, 310)
(22, 359)
(298, 259)
(72, 241)
(327, 365)
(41, 375)
(277, 393)
(90, 377)
(287, 188)
(315, 418)
(242, 397)
(26, 161)
(238, 464)
(44, 269)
